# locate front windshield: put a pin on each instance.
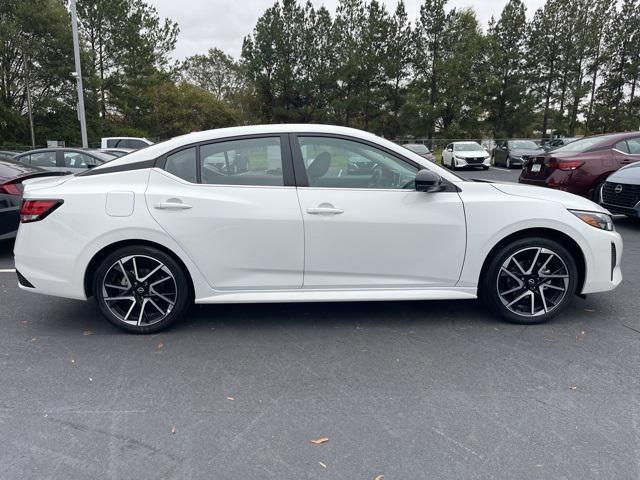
(579, 145)
(523, 144)
(467, 147)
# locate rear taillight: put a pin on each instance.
(36, 210)
(11, 189)
(565, 164)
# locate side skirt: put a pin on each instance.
(302, 295)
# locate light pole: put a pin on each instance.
(78, 74)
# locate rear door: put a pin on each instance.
(241, 227)
(47, 159)
(373, 229)
(627, 151)
(77, 162)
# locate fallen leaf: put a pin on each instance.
(24, 322)
(589, 310)
(320, 440)
(173, 429)
(87, 332)
(322, 465)
(231, 398)
(34, 339)
(160, 345)
(573, 387)
(90, 379)
(379, 477)
(73, 361)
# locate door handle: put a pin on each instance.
(326, 210)
(171, 206)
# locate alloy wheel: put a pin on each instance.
(139, 290)
(532, 281)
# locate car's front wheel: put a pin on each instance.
(141, 289)
(529, 280)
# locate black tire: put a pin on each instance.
(182, 298)
(490, 281)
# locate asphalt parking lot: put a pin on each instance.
(405, 390)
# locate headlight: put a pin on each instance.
(597, 220)
(459, 157)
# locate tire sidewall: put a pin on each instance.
(183, 285)
(488, 289)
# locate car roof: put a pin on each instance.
(157, 149)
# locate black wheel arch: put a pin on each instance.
(106, 251)
(560, 237)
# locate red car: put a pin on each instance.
(581, 167)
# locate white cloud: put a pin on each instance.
(216, 23)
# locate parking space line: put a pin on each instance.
(7, 270)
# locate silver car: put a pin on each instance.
(63, 160)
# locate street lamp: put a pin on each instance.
(78, 74)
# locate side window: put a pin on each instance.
(183, 164)
(634, 146)
(112, 143)
(43, 159)
(253, 161)
(136, 144)
(77, 160)
(339, 163)
(622, 146)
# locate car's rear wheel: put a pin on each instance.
(141, 289)
(530, 280)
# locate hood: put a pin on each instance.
(473, 154)
(527, 151)
(628, 174)
(567, 200)
(45, 182)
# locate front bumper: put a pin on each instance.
(603, 272)
(469, 162)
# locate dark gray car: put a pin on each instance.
(621, 192)
(63, 160)
(513, 153)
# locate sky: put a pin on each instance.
(206, 24)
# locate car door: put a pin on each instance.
(242, 229)
(627, 151)
(373, 230)
(46, 159)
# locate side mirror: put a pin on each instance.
(450, 149)
(428, 181)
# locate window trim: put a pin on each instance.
(301, 172)
(285, 154)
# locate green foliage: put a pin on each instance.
(574, 67)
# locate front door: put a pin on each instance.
(373, 229)
(242, 227)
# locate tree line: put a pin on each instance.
(572, 68)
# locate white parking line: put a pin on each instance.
(7, 270)
(503, 169)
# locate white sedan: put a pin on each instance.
(151, 233)
(465, 154)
